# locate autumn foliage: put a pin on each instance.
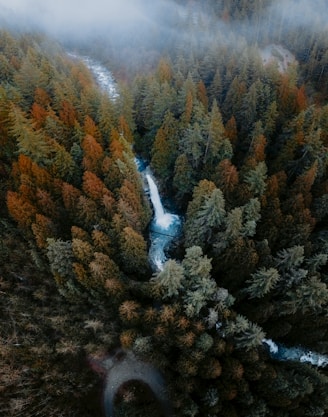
(238, 148)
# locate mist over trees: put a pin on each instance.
(238, 144)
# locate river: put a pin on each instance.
(165, 226)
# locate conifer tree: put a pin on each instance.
(29, 77)
(93, 186)
(105, 118)
(71, 196)
(202, 94)
(133, 251)
(82, 250)
(39, 114)
(102, 242)
(102, 268)
(164, 150)
(29, 142)
(256, 179)
(184, 177)
(199, 288)
(46, 204)
(226, 177)
(67, 113)
(193, 145)
(215, 88)
(231, 131)
(270, 119)
(201, 192)
(262, 281)
(164, 103)
(310, 297)
(60, 255)
(170, 279)
(290, 258)
(164, 70)
(251, 214)
(87, 212)
(234, 223)
(43, 229)
(93, 154)
(209, 217)
(256, 151)
(90, 128)
(62, 163)
(217, 146)
(245, 334)
(130, 206)
(20, 209)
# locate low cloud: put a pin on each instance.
(313, 14)
(75, 16)
(126, 19)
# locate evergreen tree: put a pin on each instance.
(164, 151)
(256, 179)
(20, 209)
(290, 258)
(93, 155)
(226, 177)
(201, 192)
(133, 251)
(193, 145)
(29, 142)
(200, 288)
(60, 255)
(234, 223)
(170, 279)
(184, 177)
(209, 218)
(309, 297)
(245, 334)
(262, 281)
(102, 268)
(29, 77)
(217, 146)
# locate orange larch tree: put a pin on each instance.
(43, 228)
(90, 128)
(93, 186)
(93, 154)
(20, 209)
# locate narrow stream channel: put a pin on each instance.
(165, 226)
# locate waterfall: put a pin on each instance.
(156, 200)
(162, 219)
(164, 227)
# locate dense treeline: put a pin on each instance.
(240, 146)
(70, 183)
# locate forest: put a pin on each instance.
(238, 143)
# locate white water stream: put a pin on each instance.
(284, 353)
(278, 54)
(161, 218)
(163, 228)
(166, 226)
(101, 74)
